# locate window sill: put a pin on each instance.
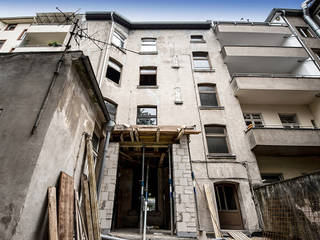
(147, 87)
(221, 156)
(149, 53)
(203, 70)
(203, 41)
(211, 107)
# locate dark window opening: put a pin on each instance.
(271, 177)
(305, 32)
(148, 76)
(216, 139)
(114, 71)
(289, 120)
(316, 52)
(112, 109)
(147, 116)
(11, 27)
(95, 146)
(197, 38)
(208, 95)
(253, 118)
(2, 43)
(225, 196)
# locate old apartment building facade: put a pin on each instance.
(234, 104)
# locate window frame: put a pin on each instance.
(145, 43)
(22, 35)
(116, 108)
(10, 24)
(214, 91)
(117, 64)
(252, 120)
(316, 52)
(4, 41)
(289, 125)
(119, 36)
(217, 135)
(201, 58)
(304, 31)
(152, 116)
(150, 68)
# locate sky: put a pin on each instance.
(160, 10)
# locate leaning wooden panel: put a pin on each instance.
(66, 203)
(52, 212)
(93, 191)
(88, 209)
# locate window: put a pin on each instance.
(23, 34)
(216, 139)
(201, 61)
(197, 39)
(114, 71)
(118, 39)
(305, 32)
(289, 120)
(208, 95)
(11, 50)
(316, 52)
(148, 76)
(253, 118)
(271, 177)
(147, 116)
(10, 27)
(2, 43)
(95, 146)
(112, 109)
(226, 197)
(148, 45)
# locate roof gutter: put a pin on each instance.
(308, 19)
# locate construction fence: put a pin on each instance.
(290, 209)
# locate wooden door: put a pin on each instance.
(228, 206)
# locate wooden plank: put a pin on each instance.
(93, 191)
(52, 212)
(66, 203)
(158, 135)
(131, 135)
(212, 210)
(161, 159)
(136, 134)
(83, 231)
(88, 209)
(237, 235)
(78, 234)
(181, 132)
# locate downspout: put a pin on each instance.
(299, 39)
(308, 19)
(109, 128)
(107, 51)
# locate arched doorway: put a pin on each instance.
(228, 206)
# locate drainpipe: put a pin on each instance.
(299, 39)
(308, 19)
(109, 128)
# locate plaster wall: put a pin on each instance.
(11, 37)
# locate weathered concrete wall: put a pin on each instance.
(108, 188)
(184, 202)
(32, 163)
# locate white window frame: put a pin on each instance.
(148, 45)
(201, 58)
(252, 118)
(116, 38)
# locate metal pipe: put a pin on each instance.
(146, 203)
(171, 191)
(299, 39)
(305, 9)
(142, 191)
(194, 184)
(109, 128)
(109, 237)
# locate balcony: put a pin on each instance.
(263, 59)
(275, 89)
(276, 140)
(252, 34)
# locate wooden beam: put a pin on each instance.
(82, 221)
(66, 203)
(93, 191)
(78, 232)
(125, 155)
(212, 210)
(88, 209)
(162, 159)
(136, 134)
(121, 137)
(181, 132)
(131, 135)
(147, 145)
(52, 212)
(158, 135)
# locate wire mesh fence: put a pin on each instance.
(290, 210)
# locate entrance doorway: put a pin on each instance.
(228, 206)
(127, 205)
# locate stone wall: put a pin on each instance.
(185, 210)
(108, 188)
